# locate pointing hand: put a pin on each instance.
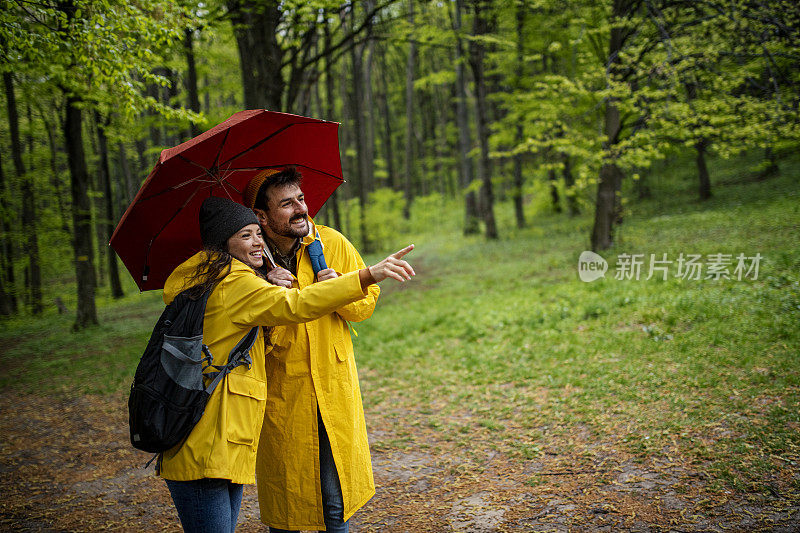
(393, 267)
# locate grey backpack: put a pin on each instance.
(168, 395)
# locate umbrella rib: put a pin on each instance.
(334, 176)
(195, 163)
(223, 183)
(268, 137)
(167, 223)
(221, 146)
(207, 171)
(217, 181)
(198, 178)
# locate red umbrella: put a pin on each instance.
(160, 228)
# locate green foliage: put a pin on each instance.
(388, 230)
(101, 51)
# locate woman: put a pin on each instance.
(206, 472)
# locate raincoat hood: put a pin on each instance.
(181, 277)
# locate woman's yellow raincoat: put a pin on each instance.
(223, 443)
(313, 364)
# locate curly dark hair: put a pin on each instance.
(287, 176)
(210, 271)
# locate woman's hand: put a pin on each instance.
(393, 267)
(327, 273)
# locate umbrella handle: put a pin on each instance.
(316, 256)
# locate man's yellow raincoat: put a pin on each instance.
(223, 443)
(312, 365)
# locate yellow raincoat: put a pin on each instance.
(223, 443)
(313, 364)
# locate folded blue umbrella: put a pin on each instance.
(316, 256)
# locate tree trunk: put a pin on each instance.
(28, 200)
(171, 134)
(642, 186)
(610, 180)
(8, 298)
(81, 215)
(481, 127)
(191, 77)
(519, 210)
(5, 302)
(255, 26)
(440, 121)
(604, 209)
(701, 145)
(33, 276)
(702, 170)
(771, 165)
(206, 96)
(144, 164)
(471, 215)
(607, 210)
(424, 135)
(110, 219)
(345, 139)
(361, 149)
(409, 160)
(436, 175)
(98, 207)
(553, 180)
(569, 185)
(333, 201)
(153, 91)
(125, 167)
(386, 118)
(316, 97)
(55, 178)
(118, 182)
(368, 107)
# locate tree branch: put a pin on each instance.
(349, 37)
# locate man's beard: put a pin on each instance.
(288, 230)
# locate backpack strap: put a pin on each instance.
(240, 355)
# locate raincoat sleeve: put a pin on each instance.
(347, 260)
(252, 301)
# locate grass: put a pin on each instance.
(43, 356)
(503, 341)
(503, 335)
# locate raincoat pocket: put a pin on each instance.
(344, 372)
(245, 407)
(341, 350)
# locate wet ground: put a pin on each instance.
(66, 465)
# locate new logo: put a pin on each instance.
(591, 266)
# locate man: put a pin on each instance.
(313, 468)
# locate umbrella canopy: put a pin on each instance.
(160, 228)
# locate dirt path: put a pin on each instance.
(66, 465)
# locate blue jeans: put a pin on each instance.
(207, 505)
(332, 501)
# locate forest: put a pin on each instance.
(504, 388)
(526, 102)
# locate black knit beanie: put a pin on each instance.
(220, 218)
